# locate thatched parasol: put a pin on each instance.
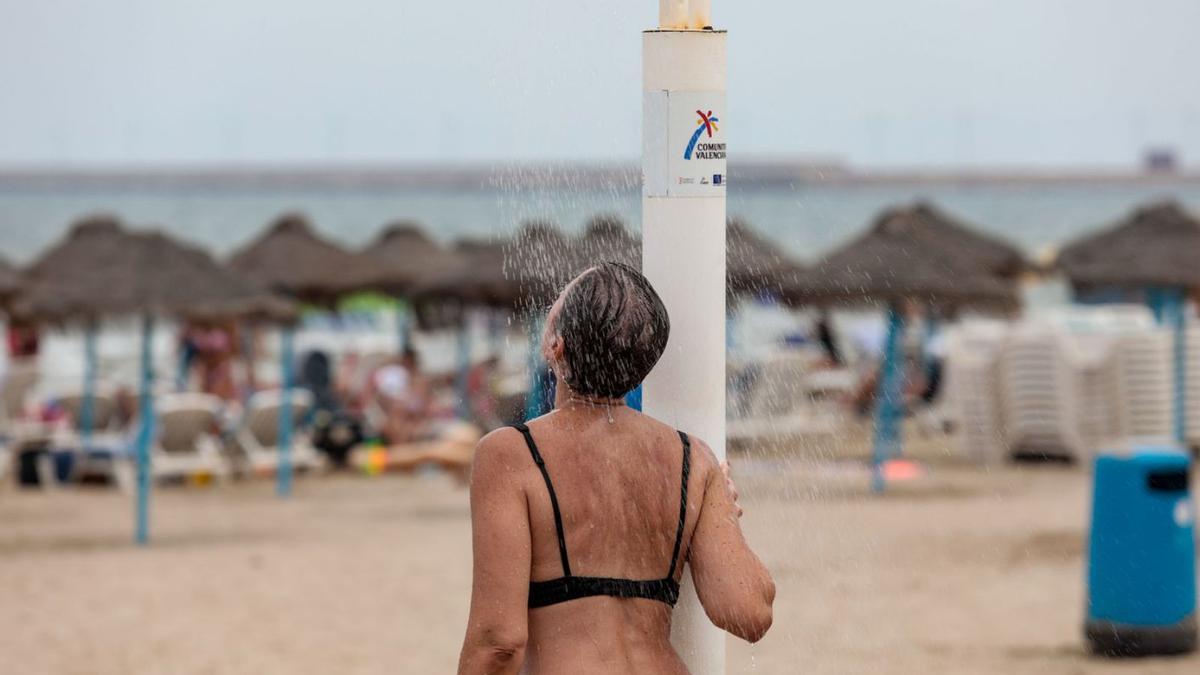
(896, 262)
(959, 240)
(101, 269)
(605, 239)
(529, 268)
(753, 264)
(290, 258)
(1155, 250)
(407, 257)
(1156, 246)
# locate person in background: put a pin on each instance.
(400, 392)
(481, 397)
(827, 340)
(335, 429)
(23, 341)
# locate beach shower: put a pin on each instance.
(683, 251)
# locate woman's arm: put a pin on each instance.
(497, 628)
(734, 586)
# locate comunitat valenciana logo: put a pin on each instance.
(706, 124)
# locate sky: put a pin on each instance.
(875, 83)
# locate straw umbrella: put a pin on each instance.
(991, 254)
(753, 264)
(893, 265)
(606, 239)
(1155, 251)
(102, 270)
(995, 255)
(291, 259)
(406, 257)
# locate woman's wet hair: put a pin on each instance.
(614, 329)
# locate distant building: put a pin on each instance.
(1160, 160)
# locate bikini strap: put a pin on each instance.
(558, 523)
(687, 470)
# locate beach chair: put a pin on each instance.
(186, 445)
(258, 435)
(19, 433)
(777, 407)
(1144, 360)
(109, 445)
(1039, 394)
(972, 398)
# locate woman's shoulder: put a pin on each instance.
(501, 452)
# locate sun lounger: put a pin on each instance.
(186, 444)
(972, 400)
(1039, 388)
(259, 432)
(776, 405)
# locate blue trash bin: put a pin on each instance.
(1142, 555)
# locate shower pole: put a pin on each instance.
(683, 240)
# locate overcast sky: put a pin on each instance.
(876, 82)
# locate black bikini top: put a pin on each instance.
(571, 587)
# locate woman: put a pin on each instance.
(583, 520)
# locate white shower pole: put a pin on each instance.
(683, 239)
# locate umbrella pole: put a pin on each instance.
(1178, 316)
(283, 476)
(402, 339)
(146, 414)
(533, 400)
(888, 406)
(87, 407)
(1156, 299)
(462, 379)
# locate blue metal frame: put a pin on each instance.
(283, 475)
(87, 407)
(888, 400)
(402, 326)
(1178, 317)
(462, 378)
(1169, 306)
(145, 434)
(533, 400)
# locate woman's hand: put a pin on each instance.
(732, 487)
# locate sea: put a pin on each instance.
(805, 217)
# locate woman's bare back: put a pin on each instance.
(618, 486)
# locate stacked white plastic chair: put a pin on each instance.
(1193, 384)
(1144, 359)
(1040, 390)
(1097, 380)
(973, 390)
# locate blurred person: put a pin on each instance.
(336, 430)
(827, 340)
(583, 520)
(215, 349)
(24, 341)
(401, 393)
(481, 394)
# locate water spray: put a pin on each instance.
(683, 238)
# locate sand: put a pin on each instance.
(962, 571)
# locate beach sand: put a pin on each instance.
(962, 571)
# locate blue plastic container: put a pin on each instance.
(1142, 555)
